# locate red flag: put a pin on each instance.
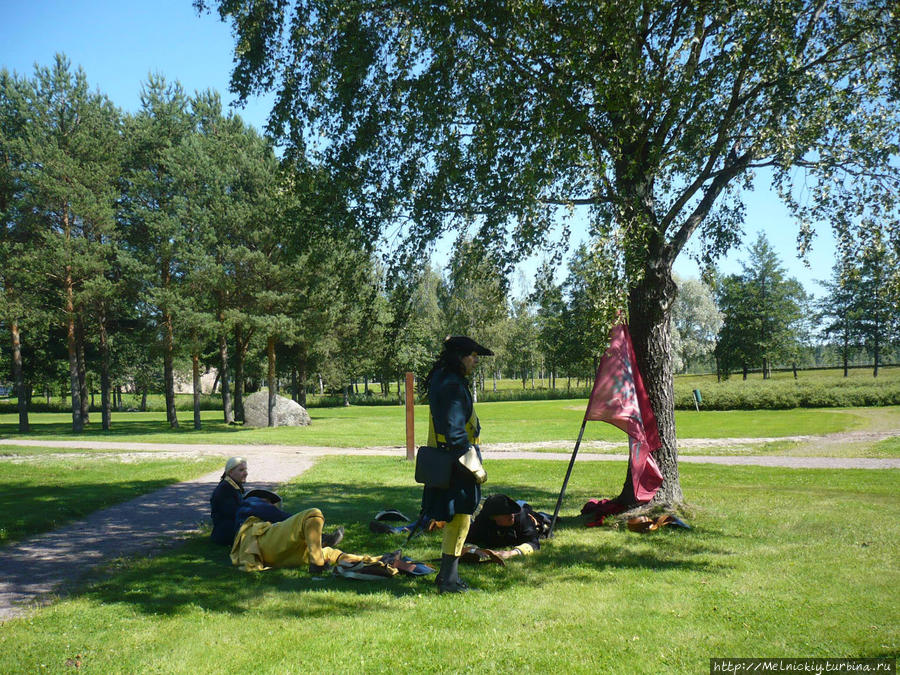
(619, 397)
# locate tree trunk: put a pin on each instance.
(346, 390)
(270, 352)
(74, 384)
(295, 389)
(301, 380)
(143, 398)
(195, 372)
(82, 372)
(877, 357)
(227, 410)
(104, 371)
(239, 386)
(169, 368)
(239, 353)
(846, 353)
(876, 344)
(649, 305)
(19, 377)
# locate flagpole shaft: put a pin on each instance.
(566, 481)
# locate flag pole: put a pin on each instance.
(566, 481)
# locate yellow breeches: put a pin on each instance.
(293, 542)
(455, 534)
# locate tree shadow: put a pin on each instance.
(119, 427)
(199, 573)
(29, 510)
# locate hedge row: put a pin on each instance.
(779, 395)
(733, 394)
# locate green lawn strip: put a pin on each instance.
(889, 446)
(503, 422)
(44, 494)
(886, 449)
(781, 563)
(37, 451)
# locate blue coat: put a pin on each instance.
(224, 504)
(452, 409)
(229, 511)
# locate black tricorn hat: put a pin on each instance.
(262, 493)
(465, 345)
(499, 505)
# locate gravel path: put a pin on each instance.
(33, 571)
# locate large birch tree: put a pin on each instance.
(652, 115)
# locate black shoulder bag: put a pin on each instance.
(433, 466)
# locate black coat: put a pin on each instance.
(224, 505)
(451, 406)
(486, 533)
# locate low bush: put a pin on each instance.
(785, 394)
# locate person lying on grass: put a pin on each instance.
(506, 527)
(266, 536)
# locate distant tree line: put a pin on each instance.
(133, 243)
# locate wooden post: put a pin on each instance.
(410, 419)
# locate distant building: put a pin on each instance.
(184, 381)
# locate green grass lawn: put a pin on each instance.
(781, 563)
(502, 422)
(42, 494)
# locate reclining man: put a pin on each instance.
(506, 527)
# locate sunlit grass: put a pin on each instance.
(502, 422)
(788, 563)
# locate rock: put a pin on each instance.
(288, 413)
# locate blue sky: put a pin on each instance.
(119, 43)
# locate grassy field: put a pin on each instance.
(45, 493)
(830, 377)
(502, 422)
(781, 563)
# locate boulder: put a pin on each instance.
(288, 413)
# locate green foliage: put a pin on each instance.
(650, 117)
(696, 321)
(713, 588)
(860, 308)
(762, 313)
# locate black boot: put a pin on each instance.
(448, 580)
(333, 539)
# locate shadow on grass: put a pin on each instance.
(119, 427)
(200, 574)
(28, 510)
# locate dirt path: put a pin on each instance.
(33, 571)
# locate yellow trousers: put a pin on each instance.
(294, 542)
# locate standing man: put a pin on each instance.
(453, 426)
